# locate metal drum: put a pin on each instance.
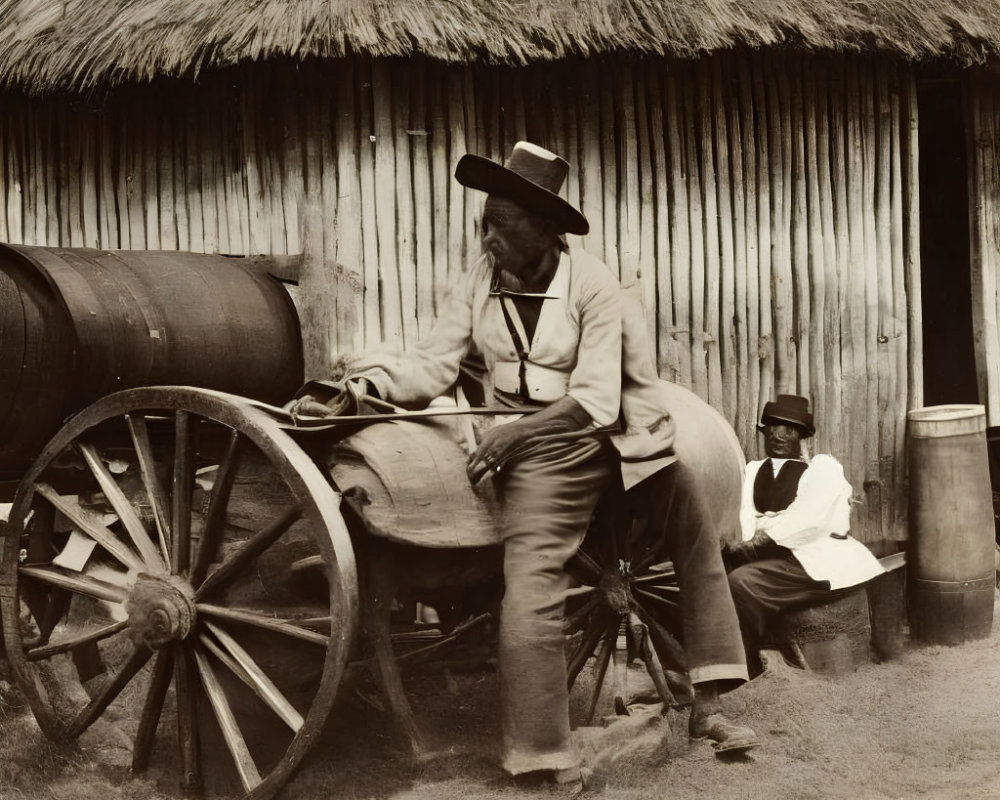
(78, 324)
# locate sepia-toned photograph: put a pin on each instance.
(499, 400)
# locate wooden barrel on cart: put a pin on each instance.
(951, 515)
(78, 324)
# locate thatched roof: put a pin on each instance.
(80, 44)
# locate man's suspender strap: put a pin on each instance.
(522, 352)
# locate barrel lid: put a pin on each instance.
(947, 420)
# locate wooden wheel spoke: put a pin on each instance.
(150, 719)
(643, 595)
(669, 648)
(183, 487)
(245, 766)
(582, 567)
(55, 648)
(284, 627)
(591, 636)
(242, 664)
(215, 518)
(109, 691)
(256, 545)
(75, 582)
(607, 649)
(147, 469)
(123, 508)
(90, 523)
(185, 687)
(576, 618)
(667, 574)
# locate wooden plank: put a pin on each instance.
(148, 162)
(193, 187)
(370, 244)
(5, 178)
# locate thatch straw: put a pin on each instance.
(82, 44)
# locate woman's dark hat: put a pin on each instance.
(790, 409)
(532, 178)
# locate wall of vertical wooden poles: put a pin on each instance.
(765, 203)
(983, 104)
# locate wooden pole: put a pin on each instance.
(803, 316)
(628, 179)
(440, 180)
(782, 297)
(728, 353)
(710, 232)
(370, 239)
(885, 338)
(419, 128)
(667, 359)
(750, 127)
(401, 76)
(609, 172)
(699, 363)
(591, 187)
(680, 241)
(911, 248)
(765, 252)
(831, 341)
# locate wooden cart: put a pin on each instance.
(200, 568)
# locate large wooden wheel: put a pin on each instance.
(149, 585)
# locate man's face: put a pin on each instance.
(782, 441)
(515, 238)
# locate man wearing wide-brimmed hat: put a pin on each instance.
(559, 339)
(795, 517)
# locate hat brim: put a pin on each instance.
(807, 430)
(488, 176)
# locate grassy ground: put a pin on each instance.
(925, 725)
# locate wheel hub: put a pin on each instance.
(161, 610)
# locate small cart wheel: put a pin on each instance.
(148, 584)
(626, 607)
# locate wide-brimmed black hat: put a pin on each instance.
(531, 177)
(790, 409)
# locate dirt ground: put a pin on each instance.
(924, 725)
